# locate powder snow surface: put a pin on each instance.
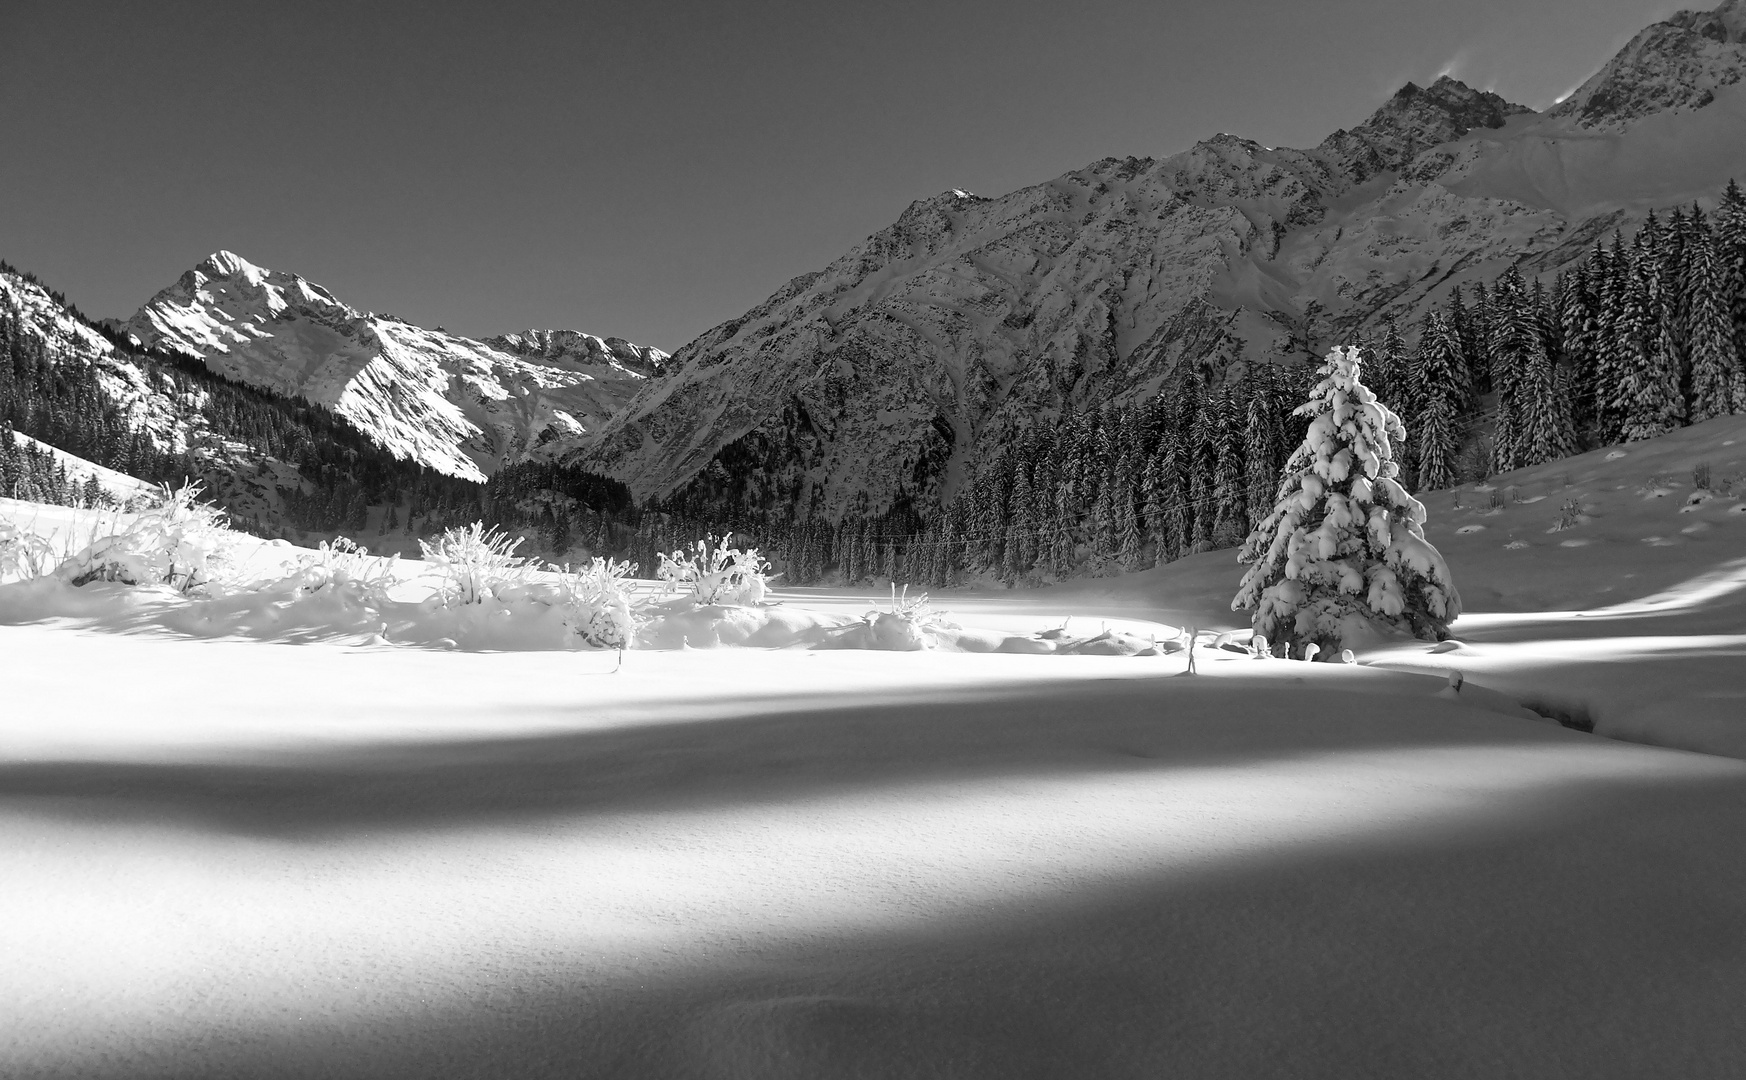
(243, 858)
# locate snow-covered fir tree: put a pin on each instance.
(1443, 395)
(1202, 454)
(1647, 397)
(1344, 550)
(1263, 442)
(1514, 337)
(1129, 541)
(1172, 530)
(1731, 251)
(1714, 362)
(1061, 545)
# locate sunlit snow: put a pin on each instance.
(229, 856)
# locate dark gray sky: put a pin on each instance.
(648, 168)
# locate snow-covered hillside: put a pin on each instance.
(926, 344)
(243, 478)
(118, 486)
(460, 406)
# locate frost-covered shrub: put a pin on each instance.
(343, 568)
(23, 554)
(1569, 516)
(180, 542)
(906, 627)
(715, 573)
(475, 563)
(1344, 546)
(599, 603)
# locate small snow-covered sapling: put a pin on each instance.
(1260, 647)
(1310, 651)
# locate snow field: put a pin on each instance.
(405, 862)
(236, 857)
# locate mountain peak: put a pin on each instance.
(1416, 118)
(1679, 63)
(1725, 24)
(1448, 107)
(228, 264)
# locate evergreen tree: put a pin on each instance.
(1714, 361)
(1442, 396)
(1731, 251)
(1479, 329)
(1514, 336)
(1546, 433)
(1462, 324)
(1263, 443)
(1174, 536)
(1128, 538)
(1647, 397)
(1230, 493)
(1061, 546)
(1615, 355)
(1017, 560)
(1344, 548)
(1581, 326)
(1201, 459)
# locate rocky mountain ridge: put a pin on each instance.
(1679, 63)
(460, 406)
(891, 373)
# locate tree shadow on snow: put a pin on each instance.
(1588, 938)
(770, 750)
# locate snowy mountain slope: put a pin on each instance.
(460, 406)
(273, 464)
(247, 479)
(117, 485)
(62, 335)
(1679, 63)
(892, 370)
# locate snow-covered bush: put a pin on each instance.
(474, 563)
(1344, 548)
(1569, 516)
(342, 567)
(23, 554)
(907, 626)
(180, 542)
(715, 573)
(599, 603)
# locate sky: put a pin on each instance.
(648, 169)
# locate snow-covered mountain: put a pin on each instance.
(460, 406)
(1680, 63)
(892, 370)
(240, 477)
